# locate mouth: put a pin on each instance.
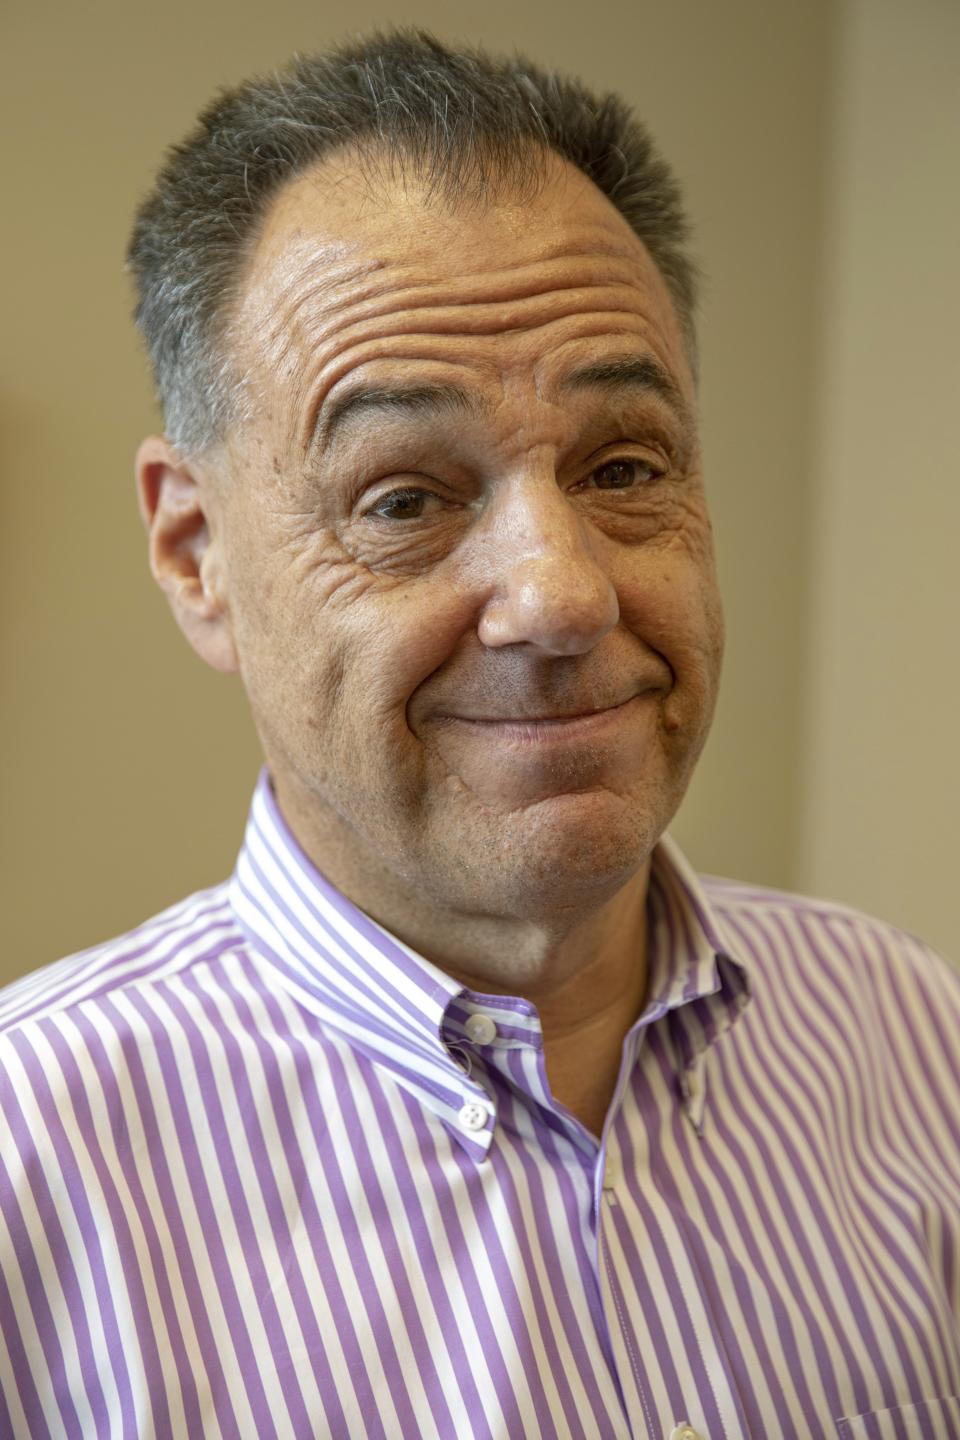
(549, 727)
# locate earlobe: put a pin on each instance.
(175, 506)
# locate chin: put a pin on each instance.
(567, 850)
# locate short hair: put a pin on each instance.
(463, 121)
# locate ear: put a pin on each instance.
(176, 503)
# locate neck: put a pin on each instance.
(589, 984)
(584, 965)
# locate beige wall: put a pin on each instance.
(881, 745)
(126, 766)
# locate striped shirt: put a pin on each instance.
(267, 1172)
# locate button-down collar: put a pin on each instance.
(695, 977)
(410, 1017)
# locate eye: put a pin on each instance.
(406, 504)
(623, 475)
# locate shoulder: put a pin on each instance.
(187, 933)
(90, 1052)
(863, 958)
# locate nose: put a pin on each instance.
(550, 589)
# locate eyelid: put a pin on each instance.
(652, 462)
(371, 496)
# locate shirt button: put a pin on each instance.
(473, 1116)
(480, 1029)
(611, 1172)
(684, 1432)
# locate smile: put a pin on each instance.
(547, 729)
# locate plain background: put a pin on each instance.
(818, 147)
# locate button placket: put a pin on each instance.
(611, 1178)
(694, 1092)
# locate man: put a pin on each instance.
(465, 1108)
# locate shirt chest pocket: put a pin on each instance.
(922, 1420)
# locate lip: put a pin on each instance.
(547, 729)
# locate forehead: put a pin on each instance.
(349, 270)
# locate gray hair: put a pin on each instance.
(462, 121)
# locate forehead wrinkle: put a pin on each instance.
(325, 308)
(297, 292)
(390, 252)
(504, 287)
(331, 338)
(386, 285)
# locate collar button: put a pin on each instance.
(480, 1029)
(473, 1116)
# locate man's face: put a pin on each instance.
(467, 561)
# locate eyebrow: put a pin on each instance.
(414, 400)
(637, 372)
(631, 372)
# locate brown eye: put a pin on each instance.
(401, 505)
(623, 474)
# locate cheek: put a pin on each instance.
(408, 632)
(673, 605)
(327, 642)
(675, 610)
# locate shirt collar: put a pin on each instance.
(406, 1014)
(366, 984)
(696, 978)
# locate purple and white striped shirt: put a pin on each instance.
(267, 1172)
